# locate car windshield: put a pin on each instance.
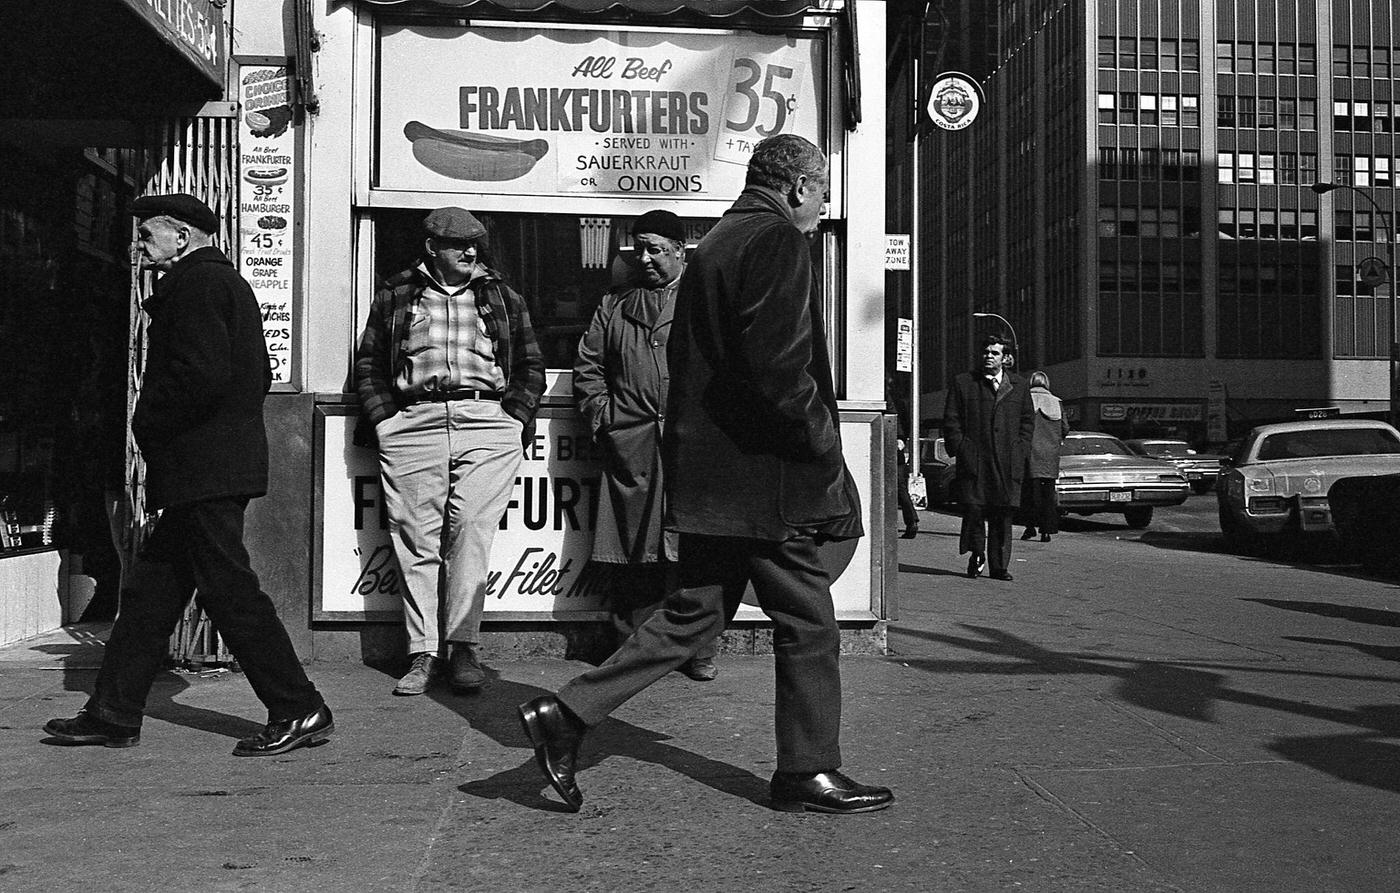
(1166, 448)
(1094, 446)
(1328, 442)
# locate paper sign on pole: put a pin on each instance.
(896, 251)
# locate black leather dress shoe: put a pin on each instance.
(556, 736)
(975, 565)
(1029, 534)
(85, 728)
(288, 734)
(1001, 575)
(825, 792)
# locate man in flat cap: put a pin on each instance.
(620, 386)
(199, 424)
(450, 375)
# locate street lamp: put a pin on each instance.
(1015, 342)
(1323, 189)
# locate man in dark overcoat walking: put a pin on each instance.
(987, 425)
(752, 454)
(199, 423)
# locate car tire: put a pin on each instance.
(1138, 517)
(1237, 540)
(1202, 487)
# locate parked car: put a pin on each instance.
(1098, 473)
(1200, 469)
(938, 469)
(1278, 479)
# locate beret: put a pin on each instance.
(660, 223)
(453, 223)
(179, 205)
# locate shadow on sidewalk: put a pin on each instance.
(494, 714)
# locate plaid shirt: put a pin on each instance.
(379, 359)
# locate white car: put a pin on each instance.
(1098, 473)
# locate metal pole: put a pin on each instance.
(916, 447)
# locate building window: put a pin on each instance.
(1380, 63)
(1244, 57)
(1224, 57)
(1268, 223)
(1268, 115)
(1361, 116)
(1341, 169)
(1288, 114)
(1108, 221)
(1246, 167)
(1363, 171)
(1287, 59)
(1147, 53)
(1147, 108)
(1129, 168)
(1360, 62)
(1341, 61)
(1108, 164)
(1148, 223)
(1171, 223)
(1170, 54)
(1106, 52)
(1307, 114)
(1266, 169)
(1288, 225)
(1346, 279)
(1106, 108)
(1225, 111)
(1127, 52)
(1307, 168)
(1342, 229)
(1127, 108)
(1383, 172)
(1246, 116)
(1288, 168)
(1128, 222)
(1364, 231)
(1170, 117)
(1225, 167)
(1266, 58)
(1191, 165)
(1380, 117)
(1226, 227)
(1190, 111)
(1341, 116)
(1190, 55)
(1247, 227)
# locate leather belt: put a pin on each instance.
(458, 394)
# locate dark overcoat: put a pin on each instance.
(199, 418)
(620, 386)
(1050, 430)
(989, 433)
(752, 446)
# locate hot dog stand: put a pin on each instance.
(556, 124)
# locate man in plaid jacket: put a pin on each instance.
(449, 374)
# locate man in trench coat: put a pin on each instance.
(756, 479)
(620, 386)
(987, 425)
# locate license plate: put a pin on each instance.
(1120, 496)
(1195, 476)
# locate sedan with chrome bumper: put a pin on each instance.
(1099, 474)
(1278, 479)
(1200, 469)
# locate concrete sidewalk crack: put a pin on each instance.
(424, 864)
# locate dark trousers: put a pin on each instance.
(637, 591)
(1043, 513)
(986, 530)
(794, 591)
(907, 513)
(198, 546)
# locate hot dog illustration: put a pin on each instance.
(266, 176)
(463, 155)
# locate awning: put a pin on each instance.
(771, 9)
(109, 58)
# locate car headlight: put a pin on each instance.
(1171, 478)
(1071, 479)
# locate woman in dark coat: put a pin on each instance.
(1043, 464)
(620, 385)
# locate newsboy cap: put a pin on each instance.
(179, 205)
(660, 223)
(453, 223)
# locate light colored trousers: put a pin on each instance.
(448, 470)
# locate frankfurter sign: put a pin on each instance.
(517, 111)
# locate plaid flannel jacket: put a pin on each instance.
(507, 323)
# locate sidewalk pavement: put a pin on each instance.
(1047, 735)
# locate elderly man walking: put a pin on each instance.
(757, 480)
(620, 386)
(199, 423)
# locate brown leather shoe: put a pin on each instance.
(420, 674)
(288, 734)
(86, 728)
(556, 736)
(825, 792)
(465, 670)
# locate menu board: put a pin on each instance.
(532, 111)
(266, 208)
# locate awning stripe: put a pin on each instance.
(774, 9)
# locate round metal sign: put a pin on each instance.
(954, 101)
(1371, 272)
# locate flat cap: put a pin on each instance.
(660, 223)
(453, 223)
(179, 205)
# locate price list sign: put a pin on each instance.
(266, 210)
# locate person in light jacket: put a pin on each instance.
(620, 385)
(1043, 463)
